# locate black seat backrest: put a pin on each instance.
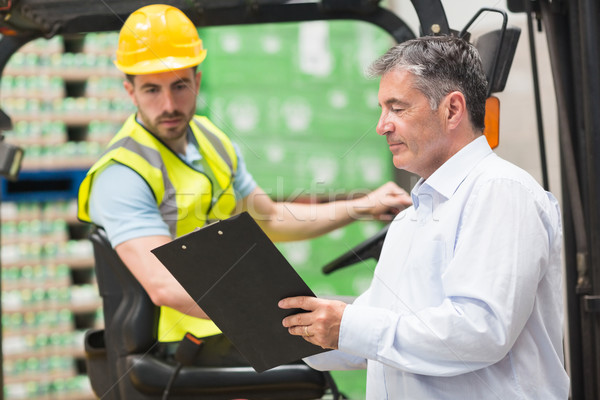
(129, 313)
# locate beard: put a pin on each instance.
(167, 133)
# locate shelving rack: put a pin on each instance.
(65, 102)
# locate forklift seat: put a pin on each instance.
(122, 362)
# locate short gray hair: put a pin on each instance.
(440, 64)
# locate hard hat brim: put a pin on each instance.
(161, 65)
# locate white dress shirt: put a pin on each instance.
(466, 300)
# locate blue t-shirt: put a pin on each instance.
(122, 202)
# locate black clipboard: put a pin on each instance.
(237, 276)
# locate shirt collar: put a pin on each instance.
(447, 178)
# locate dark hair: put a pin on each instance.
(440, 64)
(130, 77)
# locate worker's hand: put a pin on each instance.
(320, 325)
(383, 203)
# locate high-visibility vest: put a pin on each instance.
(185, 197)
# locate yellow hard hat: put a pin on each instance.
(158, 38)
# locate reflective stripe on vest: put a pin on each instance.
(184, 196)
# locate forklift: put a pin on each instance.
(573, 44)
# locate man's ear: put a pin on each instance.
(456, 109)
(198, 80)
(129, 89)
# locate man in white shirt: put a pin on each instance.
(466, 300)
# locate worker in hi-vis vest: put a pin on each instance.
(169, 171)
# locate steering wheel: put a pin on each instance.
(369, 248)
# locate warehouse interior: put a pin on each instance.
(289, 94)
